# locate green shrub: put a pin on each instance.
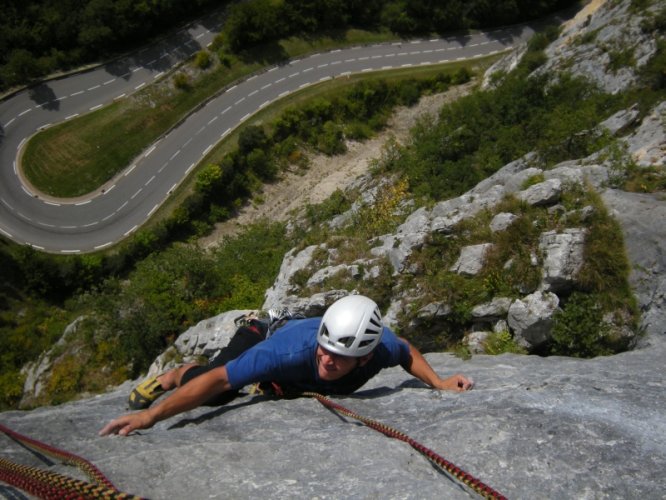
(202, 59)
(577, 328)
(181, 81)
(501, 342)
(620, 58)
(532, 180)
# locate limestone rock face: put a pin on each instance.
(565, 428)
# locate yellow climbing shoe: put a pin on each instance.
(145, 393)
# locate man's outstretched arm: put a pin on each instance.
(187, 397)
(421, 369)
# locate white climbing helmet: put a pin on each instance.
(351, 326)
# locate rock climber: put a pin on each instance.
(334, 354)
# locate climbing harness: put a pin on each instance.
(447, 467)
(52, 485)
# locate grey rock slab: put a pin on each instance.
(564, 428)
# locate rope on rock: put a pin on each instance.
(52, 485)
(449, 468)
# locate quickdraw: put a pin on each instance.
(52, 485)
(447, 467)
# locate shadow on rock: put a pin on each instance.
(218, 411)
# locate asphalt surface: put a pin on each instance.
(119, 208)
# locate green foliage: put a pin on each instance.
(174, 289)
(532, 180)
(606, 269)
(28, 327)
(263, 21)
(383, 215)
(208, 178)
(335, 204)
(620, 58)
(41, 36)
(250, 138)
(578, 328)
(202, 59)
(481, 132)
(181, 81)
(502, 342)
(331, 140)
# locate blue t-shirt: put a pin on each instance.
(288, 358)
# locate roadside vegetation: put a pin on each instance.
(135, 300)
(42, 37)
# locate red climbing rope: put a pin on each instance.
(451, 469)
(51, 485)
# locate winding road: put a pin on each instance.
(110, 214)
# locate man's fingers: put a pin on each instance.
(117, 426)
(464, 383)
(108, 429)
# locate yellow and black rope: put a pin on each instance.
(52, 485)
(449, 468)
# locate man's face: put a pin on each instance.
(331, 366)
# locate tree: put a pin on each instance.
(21, 67)
(250, 138)
(260, 163)
(209, 178)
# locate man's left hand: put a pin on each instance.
(457, 383)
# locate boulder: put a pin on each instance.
(502, 221)
(471, 259)
(543, 193)
(562, 258)
(531, 318)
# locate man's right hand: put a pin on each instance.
(128, 423)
